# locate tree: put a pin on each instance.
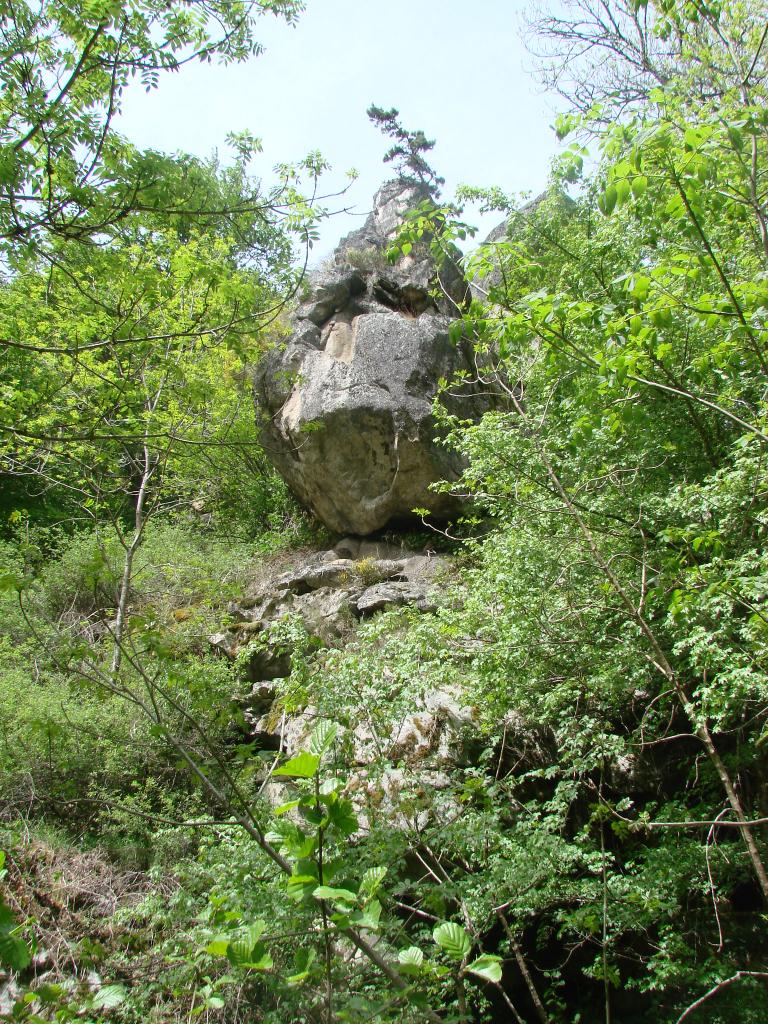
(64, 171)
(98, 235)
(112, 345)
(605, 57)
(631, 344)
(408, 152)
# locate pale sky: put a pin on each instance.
(455, 68)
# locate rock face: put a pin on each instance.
(345, 407)
(324, 594)
(327, 594)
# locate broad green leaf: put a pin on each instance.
(303, 766)
(371, 881)
(284, 808)
(239, 949)
(315, 817)
(486, 966)
(218, 946)
(255, 930)
(322, 737)
(244, 943)
(452, 939)
(607, 201)
(303, 962)
(50, 994)
(250, 956)
(368, 918)
(10, 581)
(639, 185)
(108, 997)
(327, 892)
(412, 956)
(261, 960)
(342, 816)
(411, 960)
(13, 952)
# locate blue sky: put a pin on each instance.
(455, 68)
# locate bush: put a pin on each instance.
(176, 564)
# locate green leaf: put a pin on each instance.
(260, 960)
(413, 955)
(326, 892)
(342, 816)
(250, 956)
(284, 808)
(108, 997)
(607, 201)
(411, 960)
(623, 189)
(244, 947)
(322, 737)
(13, 952)
(303, 766)
(50, 994)
(371, 881)
(452, 939)
(639, 185)
(303, 960)
(368, 918)
(486, 966)
(737, 138)
(456, 331)
(11, 581)
(256, 930)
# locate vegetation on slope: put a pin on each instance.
(595, 850)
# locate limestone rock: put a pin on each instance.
(357, 548)
(328, 594)
(402, 798)
(345, 408)
(386, 595)
(266, 664)
(223, 643)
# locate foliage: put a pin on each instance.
(64, 170)
(408, 151)
(544, 801)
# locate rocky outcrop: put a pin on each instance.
(317, 601)
(401, 767)
(345, 407)
(311, 605)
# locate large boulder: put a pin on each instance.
(346, 405)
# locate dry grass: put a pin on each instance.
(69, 895)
